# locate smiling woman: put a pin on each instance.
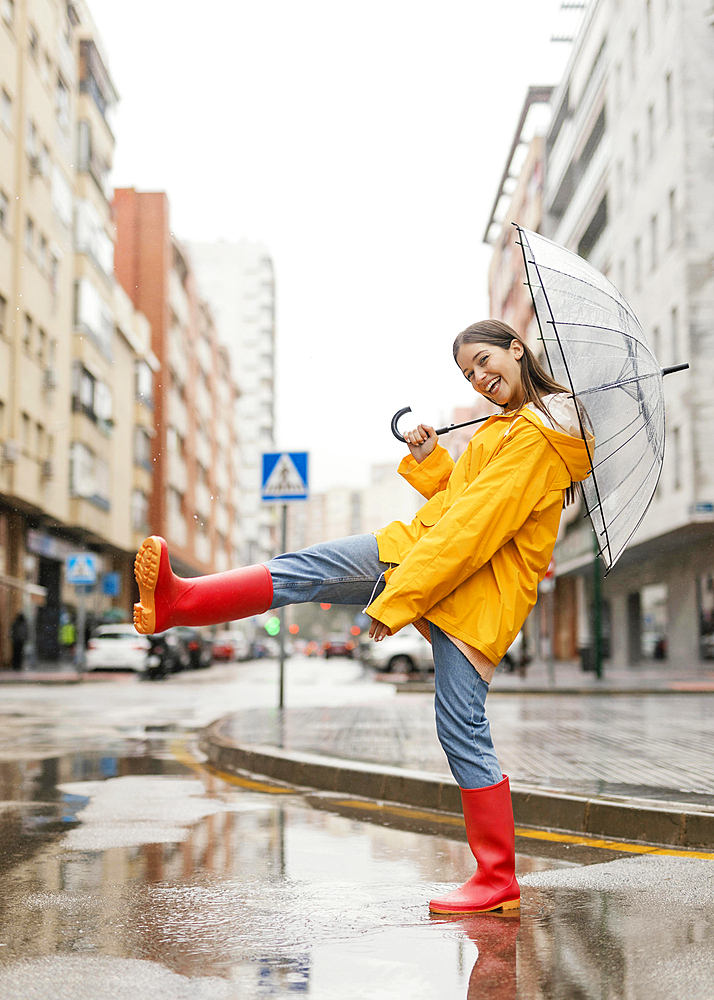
(465, 573)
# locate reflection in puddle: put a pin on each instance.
(138, 872)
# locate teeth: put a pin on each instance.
(489, 387)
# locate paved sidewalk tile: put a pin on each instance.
(651, 746)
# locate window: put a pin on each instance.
(46, 68)
(633, 56)
(656, 347)
(651, 132)
(637, 264)
(4, 211)
(54, 271)
(62, 104)
(42, 252)
(3, 315)
(653, 243)
(41, 346)
(31, 138)
(62, 196)
(29, 235)
(144, 383)
(89, 476)
(142, 448)
(91, 237)
(45, 160)
(672, 206)
(93, 315)
(677, 457)
(27, 334)
(26, 429)
(139, 511)
(668, 100)
(6, 110)
(33, 42)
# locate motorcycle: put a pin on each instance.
(164, 657)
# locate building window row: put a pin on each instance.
(94, 316)
(144, 383)
(91, 237)
(142, 448)
(140, 512)
(92, 397)
(89, 476)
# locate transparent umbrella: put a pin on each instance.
(595, 346)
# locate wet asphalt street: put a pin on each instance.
(129, 870)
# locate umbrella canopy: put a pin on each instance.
(594, 346)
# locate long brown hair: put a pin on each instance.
(535, 379)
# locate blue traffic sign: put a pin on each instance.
(285, 476)
(81, 568)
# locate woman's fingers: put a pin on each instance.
(377, 630)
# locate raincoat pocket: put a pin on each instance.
(430, 513)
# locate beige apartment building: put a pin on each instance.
(75, 410)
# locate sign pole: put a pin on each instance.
(285, 478)
(79, 652)
(281, 613)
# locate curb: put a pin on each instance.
(682, 687)
(669, 824)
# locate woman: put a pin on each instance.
(465, 572)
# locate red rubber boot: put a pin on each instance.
(166, 600)
(488, 814)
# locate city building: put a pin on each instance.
(195, 497)
(67, 406)
(629, 185)
(237, 280)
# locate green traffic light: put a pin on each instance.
(272, 626)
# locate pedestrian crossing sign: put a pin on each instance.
(81, 568)
(284, 476)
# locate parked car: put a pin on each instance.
(197, 645)
(117, 647)
(230, 646)
(338, 645)
(168, 654)
(404, 653)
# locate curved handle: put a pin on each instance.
(395, 418)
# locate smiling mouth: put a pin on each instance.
(493, 385)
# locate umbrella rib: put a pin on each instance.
(530, 289)
(615, 385)
(572, 387)
(608, 329)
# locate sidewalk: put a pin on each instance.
(637, 767)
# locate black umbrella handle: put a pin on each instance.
(439, 430)
(674, 368)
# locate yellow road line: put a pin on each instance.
(527, 832)
(183, 755)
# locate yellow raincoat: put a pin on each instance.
(471, 559)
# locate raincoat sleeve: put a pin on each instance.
(430, 476)
(487, 515)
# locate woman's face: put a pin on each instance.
(493, 372)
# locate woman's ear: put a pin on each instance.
(517, 349)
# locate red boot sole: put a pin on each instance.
(146, 572)
(511, 904)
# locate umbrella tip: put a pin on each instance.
(674, 368)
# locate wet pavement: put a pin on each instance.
(129, 869)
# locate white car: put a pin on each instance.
(404, 653)
(117, 647)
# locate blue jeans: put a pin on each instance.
(349, 571)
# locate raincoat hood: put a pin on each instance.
(564, 433)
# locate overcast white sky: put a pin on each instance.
(363, 143)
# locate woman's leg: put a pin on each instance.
(345, 571)
(461, 723)
(465, 735)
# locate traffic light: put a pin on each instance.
(272, 626)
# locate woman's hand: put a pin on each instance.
(377, 630)
(421, 441)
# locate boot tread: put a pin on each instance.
(146, 572)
